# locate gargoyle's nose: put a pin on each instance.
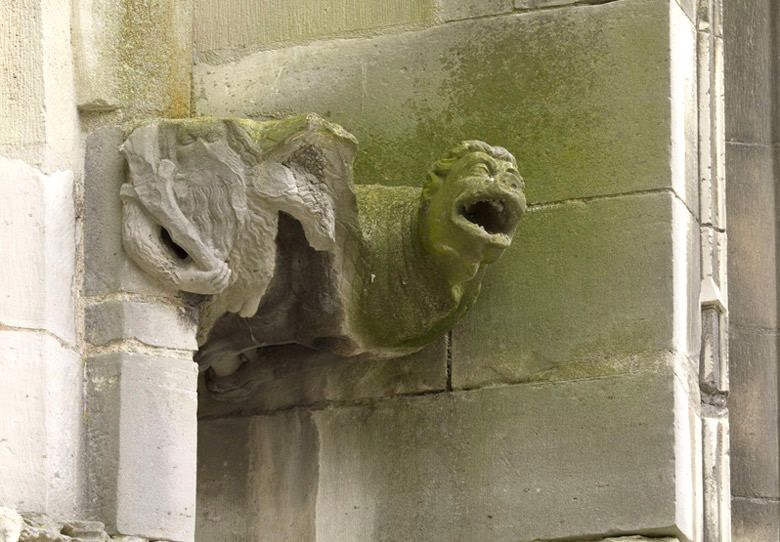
(509, 182)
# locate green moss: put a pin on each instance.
(579, 95)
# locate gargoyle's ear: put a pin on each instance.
(431, 186)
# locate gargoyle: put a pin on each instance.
(263, 218)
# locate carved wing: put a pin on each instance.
(308, 175)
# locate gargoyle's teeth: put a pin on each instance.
(490, 214)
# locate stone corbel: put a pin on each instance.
(263, 220)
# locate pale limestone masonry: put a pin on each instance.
(616, 381)
(141, 381)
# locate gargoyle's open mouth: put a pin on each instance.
(492, 215)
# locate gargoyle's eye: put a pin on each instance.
(480, 169)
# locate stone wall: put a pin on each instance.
(67, 67)
(567, 403)
(575, 401)
(752, 138)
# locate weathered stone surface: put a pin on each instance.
(226, 488)
(748, 71)
(107, 268)
(684, 104)
(753, 406)
(133, 54)
(152, 323)
(717, 474)
(286, 383)
(453, 10)
(751, 255)
(252, 24)
(141, 444)
(39, 241)
(10, 525)
(478, 465)
(38, 117)
(40, 463)
(755, 520)
(562, 89)
(576, 295)
(293, 258)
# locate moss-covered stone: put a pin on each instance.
(580, 95)
(584, 288)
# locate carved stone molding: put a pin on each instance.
(262, 219)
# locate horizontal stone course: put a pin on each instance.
(38, 241)
(478, 465)
(585, 289)
(562, 89)
(257, 23)
(152, 323)
(326, 378)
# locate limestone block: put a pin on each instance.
(40, 431)
(224, 491)
(252, 24)
(748, 71)
(453, 10)
(10, 525)
(510, 456)
(479, 465)
(39, 245)
(141, 444)
(577, 294)
(151, 322)
(96, 27)
(107, 268)
(684, 105)
(292, 381)
(755, 520)
(717, 476)
(263, 489)
(133, 54)
(751, 211)
(561, 89)
(753, 406)
(38, 118)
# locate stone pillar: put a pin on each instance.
(751, 54)
(141, 380)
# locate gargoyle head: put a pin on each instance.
(471, 205)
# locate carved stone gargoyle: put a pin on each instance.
(263, 219)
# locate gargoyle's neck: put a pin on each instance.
(448, 264)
